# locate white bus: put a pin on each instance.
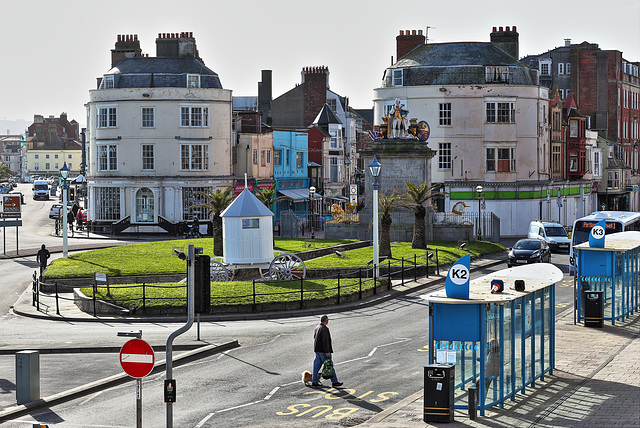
(616, 221)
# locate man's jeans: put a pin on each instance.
(317, 366)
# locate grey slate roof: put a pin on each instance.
(246, 204)
(326, 116)
(458, 63)
(146, 72)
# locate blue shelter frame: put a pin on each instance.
(614, 270)
(501, 343)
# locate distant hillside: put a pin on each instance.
(13, 127)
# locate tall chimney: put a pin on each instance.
(507, 40)
(127, 46)
(265, 94)
(316, 83)
(567, 42)
(407, 41)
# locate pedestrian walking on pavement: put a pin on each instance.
(323, 350)
(42, 256)
(70, 220)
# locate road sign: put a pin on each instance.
(137, 358)
(353, 189)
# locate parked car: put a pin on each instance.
(54, 211)
(552, 233)
(529, 250)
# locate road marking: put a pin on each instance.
(91, 397)
(402, 340)
(273, 391)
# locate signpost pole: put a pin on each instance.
(139, 403)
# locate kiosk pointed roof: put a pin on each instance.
(246, 205)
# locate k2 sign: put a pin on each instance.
(457, 284)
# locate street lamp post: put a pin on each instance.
(374, 168)
(312, 191)
(479, 191)
(64, 173)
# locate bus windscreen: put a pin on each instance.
(582, 229)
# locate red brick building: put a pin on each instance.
(53, 132)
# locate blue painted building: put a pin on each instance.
(290, 161)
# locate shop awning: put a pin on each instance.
(296, 194)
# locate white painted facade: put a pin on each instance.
(151, 169)
(463, 161)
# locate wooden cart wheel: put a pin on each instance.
(219, 272)
(287, 267)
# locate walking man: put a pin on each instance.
(322, 348)
(42, 256)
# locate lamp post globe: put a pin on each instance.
(374, 168)
(64, 173)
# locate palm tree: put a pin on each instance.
(416, 196)
(267, 196)
(217, 202)
(386, 204)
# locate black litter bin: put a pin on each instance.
(438, 392)
(593, 308)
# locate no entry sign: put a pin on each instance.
(137, 358)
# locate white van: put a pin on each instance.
(40, 190)
(552, 233)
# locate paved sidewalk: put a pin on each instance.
(596, 383)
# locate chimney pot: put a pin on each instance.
(413, 32)
(567, 42)
(494, 29)
(501, 29)
(191, 34)
(419, 32)
(514, 29)
(407, 32)
(402, 32)
(508, 28)
(135, 37)
(118, 37)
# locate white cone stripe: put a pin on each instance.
(137, 358)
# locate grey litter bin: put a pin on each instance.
(593, 308)
(438, 392)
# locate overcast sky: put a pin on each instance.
(53, 51)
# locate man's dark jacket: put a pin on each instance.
(322, 339)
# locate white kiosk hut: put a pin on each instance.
(247, 236)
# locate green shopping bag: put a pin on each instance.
(327, 369)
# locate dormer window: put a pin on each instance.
(193, 80)
(545, 67)
(109, 82)
(397, 77)
(496, 74)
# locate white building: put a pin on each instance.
(489, 123)
(159, 132)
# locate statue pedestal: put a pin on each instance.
(402, 161)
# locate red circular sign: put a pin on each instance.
(137, 358)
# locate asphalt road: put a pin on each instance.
(379, 355)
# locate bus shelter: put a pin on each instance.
(613, 270)
(499, 342)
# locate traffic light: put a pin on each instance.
(202, 283)
(169, 390)
(71, 193)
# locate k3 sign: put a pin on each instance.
(596, 236)
(458, 277)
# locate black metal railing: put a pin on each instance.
(350, 284)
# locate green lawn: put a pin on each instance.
(154, 257)
(448, 252)
(159, 258)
